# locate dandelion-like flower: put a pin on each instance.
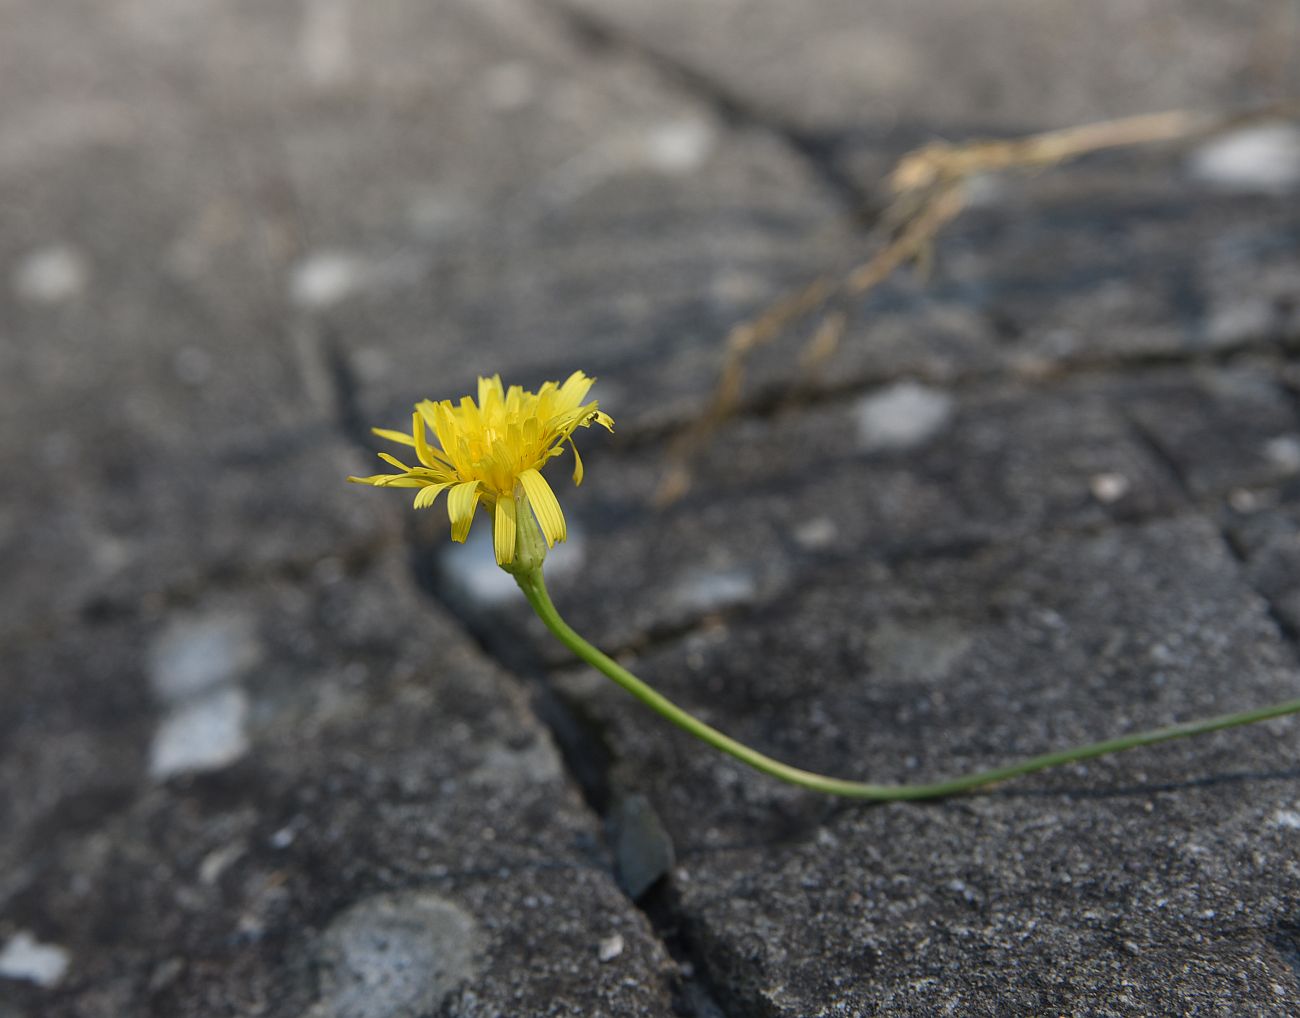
(492, 452)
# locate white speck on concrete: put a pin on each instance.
(202, 734)
(395, 955)
(714, 590)
(25, 957)
(680, 146)
(51, 275)
(902, 416)
(816, 534)
(1256, 159)
(507, 769)
(326, 278)
(216, 862)
(1109, 487)
(1288, 818)
(1244, 500)
(510, 85)
(732, 287)
(325, 44)
(1284, 451)
(1240, 320)
(610, 948)
(472, 571)
(194, 654)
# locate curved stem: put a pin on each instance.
(534, 589)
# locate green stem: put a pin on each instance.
(534, 589)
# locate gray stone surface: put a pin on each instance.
(777, 500)
(250, 762)
(160, 405)
(394, 832)
(1148, 883)
(836, 65)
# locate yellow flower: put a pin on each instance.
(492, 452)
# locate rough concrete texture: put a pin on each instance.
(829, 65)
(389, 830)
(1154, 883)
(271, 745)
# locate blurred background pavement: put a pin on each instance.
(271, 745)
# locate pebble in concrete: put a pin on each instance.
(25, 957)
(325, 278)
(471, 574)
(395, 955)
(51, 275)
(902, 416)
(193, 654)
(202, 734)
(1259, 159)
(194, 665)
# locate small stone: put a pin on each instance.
(680, 147)
(1284, 452)
(611, 947)
(643, 851)
(396, 956)
(815, 534)
(51, 275)
(1257, 159)
(1108, 488)
(218, 861)
(202, 734)
(1287, 818)
(195, 653)
(324, 279)
(714, 590)
(25, 957)
(1243, 500)
(902, 416)
(473, 577)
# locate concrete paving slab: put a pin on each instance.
(382, 827)
(1157, 880)
(834, 65)
(900, 471)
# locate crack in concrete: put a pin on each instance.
(1209, 509)
(587, 757)
(584, 748)
(816, 152)
(773, 400)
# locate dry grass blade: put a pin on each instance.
(929, 189)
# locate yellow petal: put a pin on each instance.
(575, 387)
(503, 533)
(393, 436)
(421, 441)
(545, 506)
(426, 495)
(393, 461)
(390, 481)
(428, 409)
(461, 503)
(488, 388)
(577, 463)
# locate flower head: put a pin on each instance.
(492, 452)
